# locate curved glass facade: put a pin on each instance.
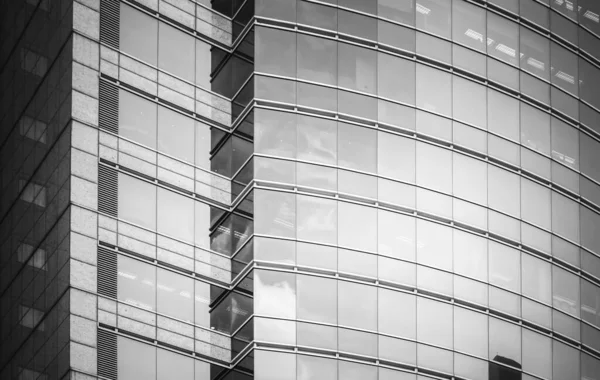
(426, 189)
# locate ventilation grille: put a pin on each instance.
(108, 114)
(108, 183)
(107, 354)
(107, 272)
(109, 22)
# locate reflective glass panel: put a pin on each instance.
(275, 133)
(396, 78)
(317, 59)
(357, 305)
(470, 332)
(357, 147)
(170, 365)
(434, 90)
(275, 213)
(434, 322)
(434, 16)
(468, 25)
(470, 255)
(357, 68)
(317, 140)
(175, 134)
(505, 342)
(357, 226)
(434, 244)
(317, 299)
(175, 215)
(396, 157)
(137, 118)
(434, 167)
(136, 283)
(317, 219)
(397, 313)
(505, 265)
(275, 294)
(131, 354)
(275, 51)
(137, 201)
(176, 51)
(565, 291)
(138, 34)
(175, 295)
(503, 39)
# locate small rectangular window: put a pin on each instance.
(30, 317)
(32, 193)
(33, 129)
(37, 260)
(33, 62)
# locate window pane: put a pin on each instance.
(319, 336)
(317, 59)
(137, 119)
(174, 297)
(537, 354)
(275, 51)
(136, 283)
(434, 245)
(589, 83)
(367, 6)
(398, 10)
(275, 294)
(274, 365)
(434, 90)
(391, 85)
(317, 219)
(357, 25)
(469, 102)
(175, 134)
(317, 15)
(357, 147)
(434, 167)
(503, 39)
(504, 191)
(470, 332)
(356, 371)
(275, 213)
(317, 140)
(137, 201)
(397, 313)
(317, 299)
(131, 354)
(470, 255)
(170, 365)
(176, 51)
(396, 235)
(138, 34)
(357, 68)
(203, 64)
(434, 322)
(565, 217)
(503, 115)
(565, 291)
(434, 16)
(565, 361)
(470, 178)
(468, 25)
(535, 203)
(357, 226)
(505, 342)
(396, 157)
(175, 215)
(201, 301)
(357, 305)
(505, 265)
(275, 133)
(590, 303)
(536, 278)
(589, 18)
(316, 368)
(535, 53)
(535, 129)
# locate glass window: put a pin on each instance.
(535, 53)
(565, 143)
(396, 235)
(357, 226)
(469, 102)
(470, 178)
(275, 294)
(434, 16)
(176, 51)
(535, 203)
(203, 64)
(319, 336)
(503, 191)
(358, 25)
(170, 365)
(433, 125)
(357, 147)
(434, 90)
(537, 354)
(590, 303)
(535, 129)
(317, 140)
(503, 115)
(271, 365)
(136, 283)
(175, 215)
(468, 25)
(357, 68)
(275, 213)
(565, 217)
(505, 342)
(317, 15)
(203, 145)
(357, 371)
(358, 263)
(275, 133)
(590, 18)
(505, 266)
(277, 9)
(137, 201)
(398, 10)
(275, 51)
(174, 295)
(434, 245)
(131, 354)
(503, 39)
(511, 5)
(564, 69)
(317, 299)
(201, 301)
(470, 255)
(137, 119)
(274, 331)
(396, 157)
(367, 6)
(565, 291)
(316, 368)
(434, 167)
(397, 313)
(392, 85)
(565, 361)
(357, 305)
(317, 219)
(175, 134)
(317, 59)
(536, 278)
(589, 155)
(470, 332)
(589, 83)
(138, 34)
(397, 36)
(434, 322)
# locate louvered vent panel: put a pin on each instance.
(109, 22)
(107, 272)
(108, 113)
(108, 183)
(107, 354)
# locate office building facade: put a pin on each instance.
(300, 189)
